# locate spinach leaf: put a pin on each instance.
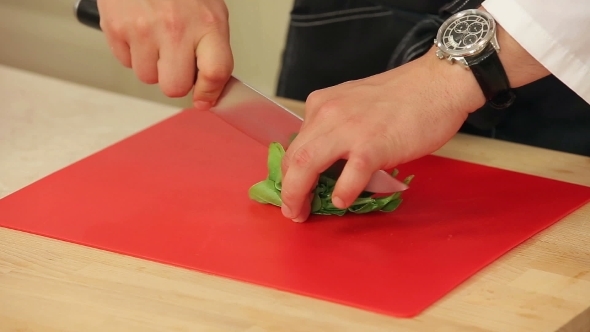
(268, 191)
(275, 156)
(265, 192)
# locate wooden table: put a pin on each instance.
(48, 285)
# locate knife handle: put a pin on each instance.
(86, 12)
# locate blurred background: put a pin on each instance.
(43, 36)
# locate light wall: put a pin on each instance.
(43, 36)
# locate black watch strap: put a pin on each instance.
(491, 76)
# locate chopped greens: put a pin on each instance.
(268, 191)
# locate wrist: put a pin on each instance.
(473, 39)
(521, 68)
(492, 59)
(456, 84)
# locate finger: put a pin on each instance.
(309, 128)
(117, 40)
(301, 139)
(121, 51)
(215, 65)
(304, 166)
(305, 209)
(354, 177)
(144, 59)
(176, 68)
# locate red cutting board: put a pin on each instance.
(177, 193)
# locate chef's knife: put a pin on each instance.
(254, 114)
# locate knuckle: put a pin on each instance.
(173, 24)
(171, 21)
(142, 27)
(211, 19)
(352, 121)
(114, 29)
(314, 98)
(361, 161)
(302, 157)
(217, 73)
(328, 110)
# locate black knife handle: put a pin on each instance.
(86, 12)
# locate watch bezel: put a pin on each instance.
(473, 49)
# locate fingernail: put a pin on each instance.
(286, 211)
(202, 105)
(338, 202)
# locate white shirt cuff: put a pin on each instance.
(552, 53)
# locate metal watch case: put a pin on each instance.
(465, 34)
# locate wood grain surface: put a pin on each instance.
(48, 285)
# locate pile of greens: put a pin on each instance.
(268, 191)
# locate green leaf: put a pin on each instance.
(329, 182)
(391, 206)
(264, 192)
(362, 201)
(316, 203)
(383, 201)
(269, 190)
(408, 179)
(365, 194)
(321, 190)
(275, 156)
(336, 212)
(365, 208)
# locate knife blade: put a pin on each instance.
(256, 115)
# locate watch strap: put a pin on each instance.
(491, 76)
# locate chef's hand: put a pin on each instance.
(386, 120)
(375, 123)
(166, 41)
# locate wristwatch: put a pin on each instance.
(469, 38)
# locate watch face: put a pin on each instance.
(465, 33)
